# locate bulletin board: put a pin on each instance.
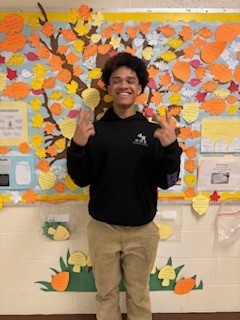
(51, 64)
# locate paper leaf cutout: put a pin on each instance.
(215, 197)
(190, 165)
(165, 231)
(13, 42)
(181, 70)
(67, 127)
(200, 204)
(24, 147)
(43, 166)
(17, 90)
(184, 286)
(91, 97)
(4, 150)
(60, 281)
(237, 74)
(12, 23)
(3, 81)
(29, 196)
(227, 32)
(46, 180)
(220, 72)
(211, 51)
(214, 106)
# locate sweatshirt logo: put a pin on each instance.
(141, 140)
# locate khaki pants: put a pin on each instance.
(127, 253)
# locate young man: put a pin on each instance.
(124, 158)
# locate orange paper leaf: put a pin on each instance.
(56, 108)
(59, 187)
(77, 70)
(165, 79)
(198, 42)
(142, 98)
(43, 52)
(89, 51)
(107, 32)
(55, 63)
(190, 165)
(24, 147)
(13, 42)
(17, 90)
(231, 99)
(4, 150)
(200, 72)
(175, 87)
(205, 32)
(29, 196)
(49, 127)
(191, 152)
(214, 106)
(72, 58)
(117, 27)
(156, 97)
(186, 33)
(152, 72)
(190, 192)
(104, 48)
(181, 70)
(237, 74)
(52, 150)
(209, 86)
(49, 83)
(68, 35)
(43, 166)
(132, 32)
(62, 49)
(64, 75)
(60, 281)
(12, 23)
(220, 72)
(227, 32)
(184, 133)
(34, 39)
(130, 50)
(211, 51)
(167, 31)
(189, 52)
(144, 27)
(48, 29)
(184, 286)
(85, 12)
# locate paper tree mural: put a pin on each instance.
(55, 67)
(76, 275)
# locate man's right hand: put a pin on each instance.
(84, 128)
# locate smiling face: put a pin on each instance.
(124, 88)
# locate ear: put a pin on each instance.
(109, 89)
(139, 89)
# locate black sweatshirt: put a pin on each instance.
(124, 164)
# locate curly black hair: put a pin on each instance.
(127, 60)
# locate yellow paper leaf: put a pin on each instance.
(67, 127)
(3, 81)
(190, 112)
(200, 204)
(47, 180)
(165, 231)
(70, 184)
(147, 53)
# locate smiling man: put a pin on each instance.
(124, 158)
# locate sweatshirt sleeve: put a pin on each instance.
(78, 164)
(169, 166)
